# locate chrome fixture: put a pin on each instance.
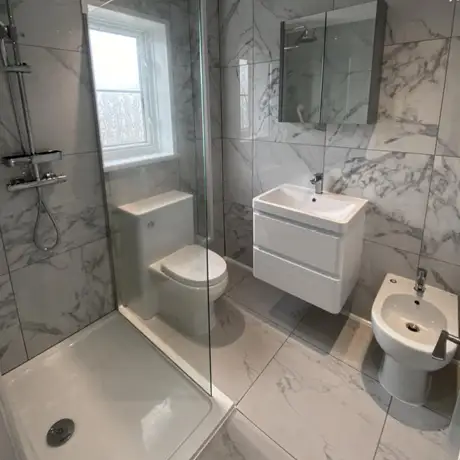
(440, 350)
(317, 181)
(420, 281)
(30, 157)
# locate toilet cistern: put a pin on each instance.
(317, 181)
(420, 281)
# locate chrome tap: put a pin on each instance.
(440, 350)
(317, 181)
(420, 281)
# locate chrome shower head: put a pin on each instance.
(307, 36)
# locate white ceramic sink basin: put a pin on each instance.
(326, 211)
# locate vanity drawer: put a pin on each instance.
(318, 250)
(319, 289)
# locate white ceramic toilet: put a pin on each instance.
(162, 270)
(407, 326)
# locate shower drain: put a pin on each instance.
(413, 327)
(60, 432)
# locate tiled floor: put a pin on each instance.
(306, 386)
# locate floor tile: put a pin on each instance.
(269, 302)
(236, 273)
(345, 338)
(317, 407)
(413, 433)
(242, 346)
(240, 439)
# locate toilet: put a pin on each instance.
(162, 271)
(407, 326)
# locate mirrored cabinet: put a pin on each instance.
(331, 65)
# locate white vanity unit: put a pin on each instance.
(309, 244)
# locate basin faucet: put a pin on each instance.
(317, 181)
(420, 281)
(440, 350)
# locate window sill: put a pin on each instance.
(135, 161)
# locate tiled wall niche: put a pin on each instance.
(407, 165)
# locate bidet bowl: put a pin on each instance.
(407, 325)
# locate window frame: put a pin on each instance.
(117, 157)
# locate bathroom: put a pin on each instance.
(73, 328)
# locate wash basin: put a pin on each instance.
(326, 211)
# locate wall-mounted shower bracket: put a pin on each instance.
(38, 158)
(22, 183)
(21, 68)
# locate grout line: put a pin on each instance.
(383, 428)
(264, 433)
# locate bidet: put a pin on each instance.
(407, 323)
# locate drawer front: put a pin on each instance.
(316, 288)
(320, 251)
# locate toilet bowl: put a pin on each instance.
(407, 326)
(183, 279)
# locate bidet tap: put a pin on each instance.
(440, 350)
(317, 181)
(420, 281)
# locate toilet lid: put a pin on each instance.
(188, 266)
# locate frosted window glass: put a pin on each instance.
(115, 61)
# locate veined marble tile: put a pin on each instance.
(3, 264)
(12, 351)
(134, 184)
(343, 337)
(238, 171)
(187, 150)
(269, 302)
(183, 113)
(411, 93)
(413, 433)
(236, 31)
(236, 273)
(276, 164)
(442, 226)
(417, 20)
(349, 136)
(77, 206)
(60, 100)
(344, 3)
(242, 345)
(396, 185)
(268, 15)
(456, 30)
(266, 110)
(323, 407)
(49, 23)
(238, 232)
(449, 136)
(59, 296)
(240, 439)
(9, 136)
(180, 34)
(377, 261)
(237, 102)
(442, 275)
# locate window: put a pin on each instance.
(132, 83)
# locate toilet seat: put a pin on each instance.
(188, 266)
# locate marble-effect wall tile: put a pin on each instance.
(276, 164)
(442, 275)
(442, 227)
(77, 206)
(49, 23)
(396, 186)
(411, 94)
(456, 29)
(237, 102)
(418, 20)
(12, 350)
(449, 135)
(236, 32)
(266, 109)
(238, 232)
(238, 171)
(3, 264)
(61, 295)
